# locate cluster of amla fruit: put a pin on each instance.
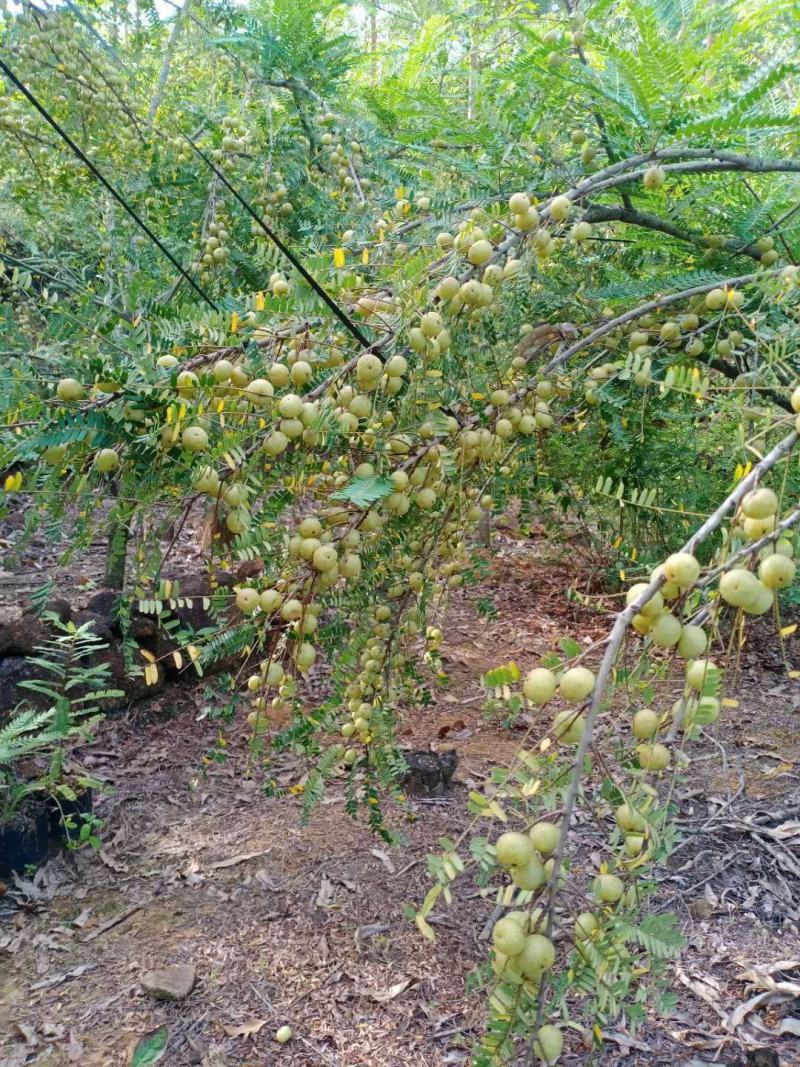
(380, 658)
(215, 253)
(342, 164)
(235, 138)
(522, 950)
(271, 201)
(754, 592)
(271, 678)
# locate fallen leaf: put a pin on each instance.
(248, 1029)
(83, 918)
(326, 895)
(63, 976)
(385, 859)
(150, 1048)
(383, 996)
(233, 861)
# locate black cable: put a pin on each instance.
(298, 266)
(117, 196)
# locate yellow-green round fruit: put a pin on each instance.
(69, 390)
(693, 642)
(106, 460)
(368, 367)
(187, 383)
(716, 299)
(54, 454)
(608, 888)
(682, 568)
(761, 602)
(754, 529)
(166, 362)
(544, 837)
(284, 1034)
(514, 849)
(576, 684)
(629, 819)
(560, 208)
(480, 252)
(259, 392)
(431, 324)
(539, 685)
(777, 572)
(518, 204)
(645, 724)
(760, 503)
(194, 439)
(325, 558)
(665, 631)
(292, 610)
(290, 406)
(585, 925)
(549, 1042)
(568, 727)
(531, 876)
(247, 600)
(738, 587)
(537, 956)
(508, 936)
(697, 673)
(306, 654)
(654, 178)
(634, 843)
(653, 757)
(238, 520)
(654, 606)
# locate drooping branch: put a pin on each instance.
(648, 221)
(615, 639)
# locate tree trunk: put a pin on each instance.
(166, 62)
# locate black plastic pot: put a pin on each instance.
(64, 811)
(24, 839)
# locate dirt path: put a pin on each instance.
(306, 924)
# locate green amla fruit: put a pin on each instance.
(645, 724)
(544, 837)
(514, 849)
(284, 1034)
(548, 1043)
(568, 727)
(693, 642)
(608, 888)
(106, 460)
(665, 631)
(539, 685)
(653, 757)
(508, 936)
(576, 684)
(585, 925)
(777, 571)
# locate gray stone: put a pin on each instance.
(170, 983)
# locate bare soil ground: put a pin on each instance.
(305, 924)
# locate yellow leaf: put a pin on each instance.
(220, 407)
(259, 302)
(193, 651)
(148, 655)
(170, 414)
(544, 744)
(151, 674)
(478, 396)
(338, 257)
(178, 659)
(495, 809)
(425, 928)
(234, 322)
(729, 702)
(622, 576)
(786, 631)
(365, 253)
(400, 192)
(9, 484)
(793, 674)
(182, 413)
(634, 554)
(167, 591)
